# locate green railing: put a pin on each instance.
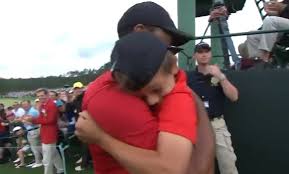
(240, 34)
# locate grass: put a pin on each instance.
(9, 101)
(70, 157)
(10, 169)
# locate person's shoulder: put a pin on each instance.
(181, 97)
(79, 97)
(181, 94)
(104, 78)
(20, 110)
(105, 88)
(99, 83)
(34, 110)
(58, 102)
(113, 95)
(190, 72)
(118, 102)
(181, 84)
(51, 104)
(191, 75)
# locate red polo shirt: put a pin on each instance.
(48, 119)
(128, 119)
(177, 113)
(2, 128)
(123, 116)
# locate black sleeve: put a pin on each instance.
(68, 107)
(78, 104)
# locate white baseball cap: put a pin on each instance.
(17, 128)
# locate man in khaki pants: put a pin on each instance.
(212, 86)
(33, 134)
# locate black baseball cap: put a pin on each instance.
(150, 13)
(202, 46)
(139, 56)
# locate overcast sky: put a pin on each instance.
(42, 38)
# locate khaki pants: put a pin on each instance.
(51, 159)
(34, 141)
(224, 151)
(258, 42)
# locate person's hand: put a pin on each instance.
(16, 120)
(215, 71)
(218, 12)
(274, 8)
(87, 129)
(26, 122)
(26, 119)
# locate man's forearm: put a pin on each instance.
(229, 90)
(142, 161)
(128, 158)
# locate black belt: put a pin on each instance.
(216, 117)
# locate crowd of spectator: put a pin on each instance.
(21, 127)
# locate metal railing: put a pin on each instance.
(240, 34)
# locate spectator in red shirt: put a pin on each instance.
(143, 66)
(3, 130)
(48, 131)
(4, 141)
(4, 123)
(108, 104)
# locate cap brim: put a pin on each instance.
(16, 129)
(179, 37)
(174, 49)
(202, 48)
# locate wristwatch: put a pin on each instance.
(222, 77)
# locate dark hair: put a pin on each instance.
(9, 108)
(41, 90)
(128, 84)
(28, 101)
(55, 93)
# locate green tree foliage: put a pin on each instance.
(85, 76)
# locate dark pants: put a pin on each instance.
(5, 153)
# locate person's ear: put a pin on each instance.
(139, 28)
(175, 68)
(194, 56)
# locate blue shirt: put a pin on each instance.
(34, 113)
(58, 103)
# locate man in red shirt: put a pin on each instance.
(48, 116)
(4, 140)
(126, 117)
